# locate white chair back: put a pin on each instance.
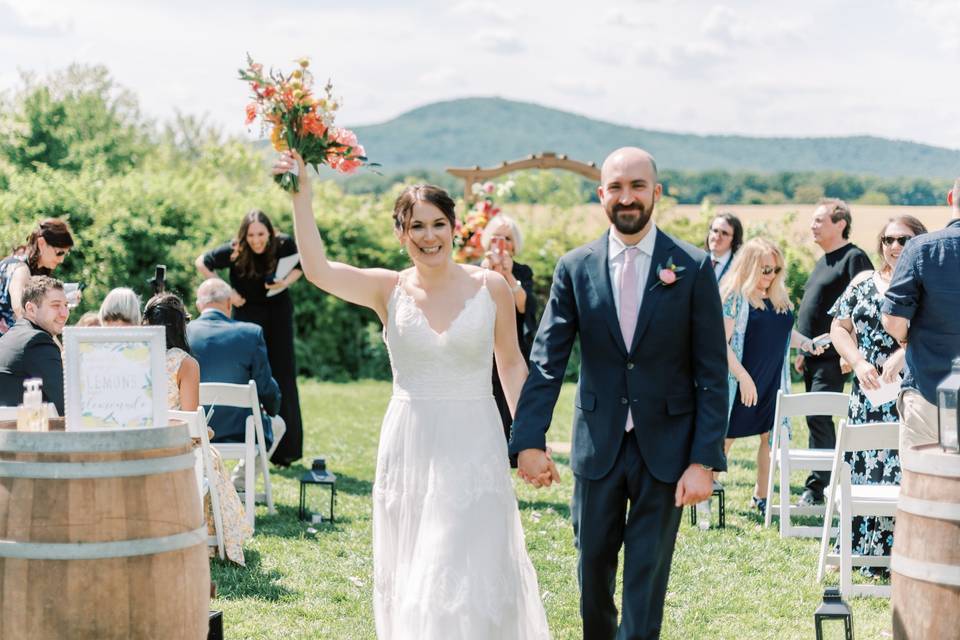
(229, 395)
(867, 437)
(826, 403)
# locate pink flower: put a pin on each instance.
(345, 137)
(667, 276)
(489, 187)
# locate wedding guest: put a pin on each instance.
(46, 248)
(758, 320)
(831, 274)
(724, 238)
(183, 371)
(29, 349)
(120, 308)
(252, 259)
(89, 319)
(234, 352)
(860, 339)
(921, 310)
(183, 394)
(502, 240)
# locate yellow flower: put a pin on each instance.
(304, 62)
(297, 73)
(276, 137)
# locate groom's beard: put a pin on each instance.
(634, 221)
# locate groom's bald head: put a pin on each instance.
(629, 157)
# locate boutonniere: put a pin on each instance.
(668, 274)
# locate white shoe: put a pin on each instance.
(703, 514)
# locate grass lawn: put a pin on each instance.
(315, 581)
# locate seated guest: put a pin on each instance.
(89, 319)
(183, 394)
(47, 246)
(233, 352)
(29, 349)
(121, 308)
(183, 372)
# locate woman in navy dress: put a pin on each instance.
(758, 318)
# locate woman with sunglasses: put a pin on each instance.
(46, 248)
(758, 319)
(876, 357)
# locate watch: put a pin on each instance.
(706, 467)
(517, 287)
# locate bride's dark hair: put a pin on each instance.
(403, 207)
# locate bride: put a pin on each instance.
(448, 550)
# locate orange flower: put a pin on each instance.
(313, 125)
(251, 112)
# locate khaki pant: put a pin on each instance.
(918, 420)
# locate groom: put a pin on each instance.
(651, 402)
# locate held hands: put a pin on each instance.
(291, 162)
(867, 374)
(810, 347)
(798, 363)
(278, 284)
(894, 365)
(695, 485)
(536, 467)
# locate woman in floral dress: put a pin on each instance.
(875, 356)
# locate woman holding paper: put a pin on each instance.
(877, 360)
(262, 265)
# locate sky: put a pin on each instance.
(888, 68)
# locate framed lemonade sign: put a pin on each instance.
(115, 377)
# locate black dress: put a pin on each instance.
(275, 316)
(526, 330)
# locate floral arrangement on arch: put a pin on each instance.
(467, 235)
(300, 119)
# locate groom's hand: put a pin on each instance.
(696, 485)
(536, 468)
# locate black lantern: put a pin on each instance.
(947, 392)
(833, 608)
(317, 475)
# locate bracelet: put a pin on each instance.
(517, 287)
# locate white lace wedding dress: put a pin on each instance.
(450, 560)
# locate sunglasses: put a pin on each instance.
(768, 270)
(721, 232)
(60, 252)
(889, 240)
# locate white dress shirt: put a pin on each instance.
(615, 259)
(721, 263)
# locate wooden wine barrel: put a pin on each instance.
(925, 562)
(102, 536)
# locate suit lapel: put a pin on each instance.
(599, 272)
(661, 251)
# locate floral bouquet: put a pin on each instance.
(300, 120)
(468, 233)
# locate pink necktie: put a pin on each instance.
(629, 304)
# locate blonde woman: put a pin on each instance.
(758, 319)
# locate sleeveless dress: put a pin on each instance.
(449, 555)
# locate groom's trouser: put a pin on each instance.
(628, 507)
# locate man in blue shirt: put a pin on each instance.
(922, 309)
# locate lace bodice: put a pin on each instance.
(453, 364)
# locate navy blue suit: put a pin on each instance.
(673, 378)
(234, 352)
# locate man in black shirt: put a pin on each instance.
(842, 260)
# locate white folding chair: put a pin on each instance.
(788, 459)
(206, 473)
(253, 449)
(10, 413)
(850, 500)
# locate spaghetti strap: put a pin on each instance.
(485, 277)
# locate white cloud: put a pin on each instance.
(501, 41)
(30, 24)
(489, 11)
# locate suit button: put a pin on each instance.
(624, 401)
(629, 366)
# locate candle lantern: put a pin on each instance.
(832, 611)
(947, 392)
(317, 475)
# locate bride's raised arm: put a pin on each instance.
(367, 287)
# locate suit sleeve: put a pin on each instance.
(267, 389)
(46, 363)
(709, 352)
(548, 363)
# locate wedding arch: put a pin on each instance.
(545, 160)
